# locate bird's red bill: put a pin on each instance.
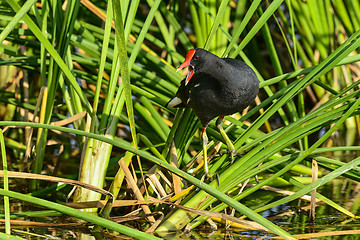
(188, 58)
(186, 63)
(189, 75)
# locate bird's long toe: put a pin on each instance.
(206, 176)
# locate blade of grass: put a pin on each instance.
(124, 67)
(215, 25)
(6, 184)
(250, 12)
(177, 27)
(131, 17)
(104, 50)
(144, 29)
(15, 20)
(196, 23)
(162, 26)
(262, 20)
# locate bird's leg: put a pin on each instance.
(204, 146)
(229, 144)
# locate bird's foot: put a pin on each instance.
(233, 154)
(236, 154)
(206, 175)
(210, 176)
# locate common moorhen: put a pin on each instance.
(215, 87)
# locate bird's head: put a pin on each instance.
(195, 60)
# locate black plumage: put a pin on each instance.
(215, 87)
(218, 87)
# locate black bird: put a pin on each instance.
(215, 87)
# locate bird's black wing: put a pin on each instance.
(240, 65)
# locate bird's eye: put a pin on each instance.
(196, 57)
